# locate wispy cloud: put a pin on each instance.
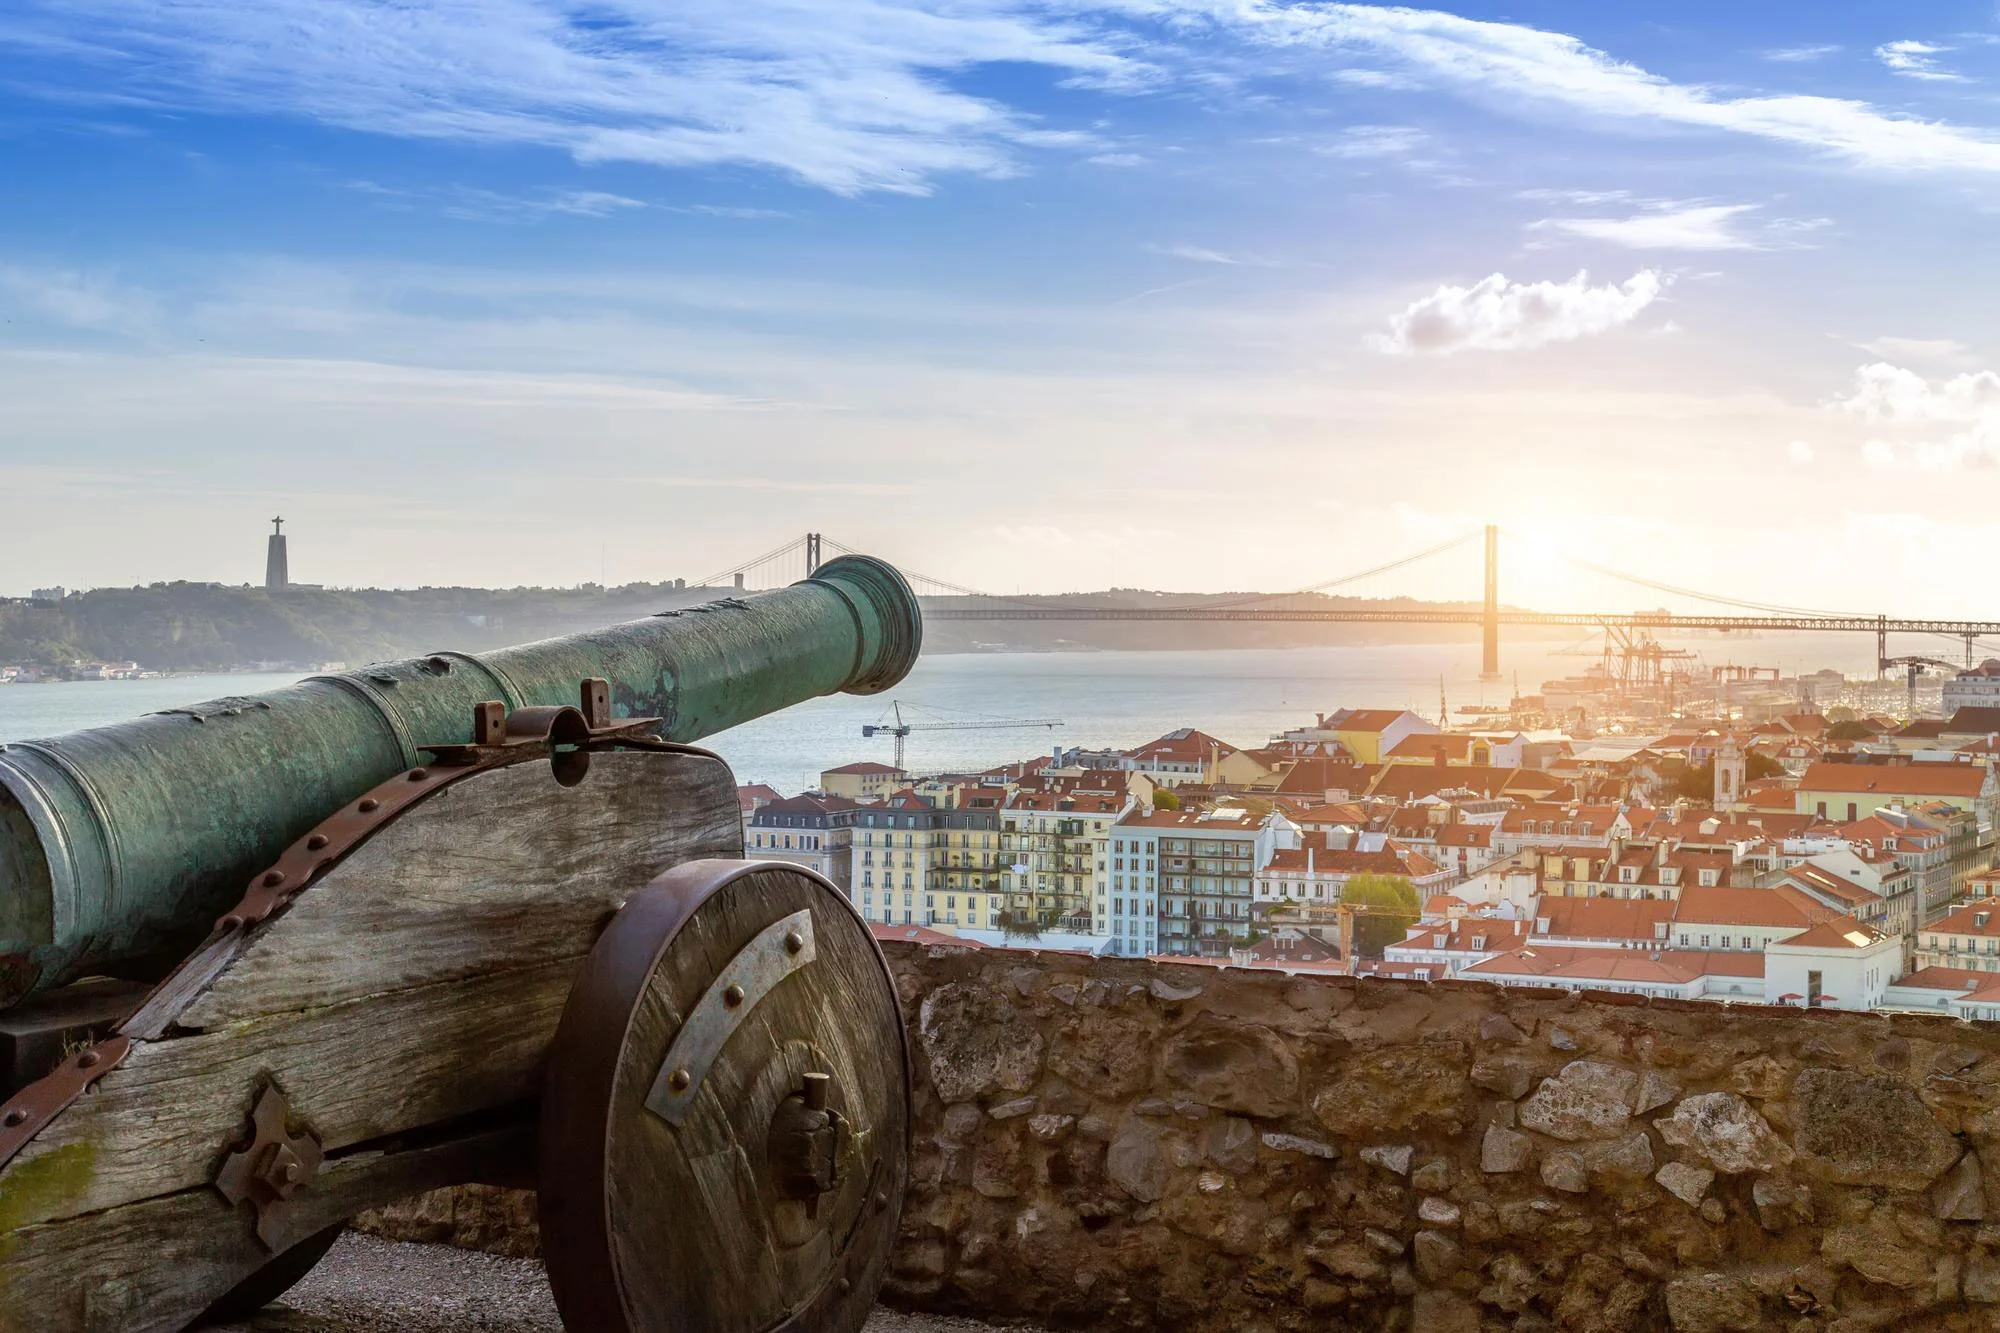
(469, 203)
(1677, 225)
(732, 212)
(1937, 351)
(1802, 54)
(1916, 60)
(73, 298)
(1507, 63)
(1366, 141)
(1498, 314)
(850, 97)
(1201, 254)
(868, 95)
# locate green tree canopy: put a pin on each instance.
(1849, 729)
(1392, 908)
(1166, 798)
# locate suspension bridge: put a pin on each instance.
(800, 557)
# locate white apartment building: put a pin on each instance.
(1978, 687)
(1126, 903)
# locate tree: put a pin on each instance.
(1849, 729)
(1166, 798)
(1392, 908)
(1020, 925)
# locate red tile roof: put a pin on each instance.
(1605, 918)
(1961, 780)
(1965, 921)
(1944, 978)
(1842, 933)
(1722, 906)
(1581, 967)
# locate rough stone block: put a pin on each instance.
(1589, 1099)
(1435, 1256)
(976, 1042)
(1503, 1150)
(1395, 1159)
(1685, 1182)
(1416, 1087)
(1961, 1195)
(1868, 1129)
(1231, 1143)
(1711, 1303)
(1135, 1163)
(1564, 1170)
(1299, 1144)
(1243, 1068)
(1726, 1130)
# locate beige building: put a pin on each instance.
(865, 781)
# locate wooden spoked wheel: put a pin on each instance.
(725, 1118)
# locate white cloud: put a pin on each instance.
(1665, 227)
(1497, 314)
(1800, 54)
(863, 95)
(1375, 78)
(1116, 160)
(850, 97)
(1915, 60)
(1799, 452)
(1510, 64)
(1914, 408)
(1365, 141)
(734, 213)
(1197, 254)
(96, 301)
(1582, 198)
(1944, 351)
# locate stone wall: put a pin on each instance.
(1127, 1145)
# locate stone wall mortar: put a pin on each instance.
(1137, 1145)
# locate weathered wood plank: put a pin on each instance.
(163, 1119)
(152, 1267)
(502, 871)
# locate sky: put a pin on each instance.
(1026, 296)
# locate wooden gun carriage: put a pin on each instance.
(535, 958)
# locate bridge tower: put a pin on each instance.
(1489, 663)
(812, 554)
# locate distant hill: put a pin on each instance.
(201, 626)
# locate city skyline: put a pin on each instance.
(1028, 296)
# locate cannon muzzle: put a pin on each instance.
(119, 845)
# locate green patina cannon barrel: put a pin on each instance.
(120, 845)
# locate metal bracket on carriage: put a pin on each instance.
(28, 1111)
(272, 1167)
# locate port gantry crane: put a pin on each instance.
(901, 730)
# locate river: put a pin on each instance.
(1242, 696)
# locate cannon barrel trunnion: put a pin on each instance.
(533, 939)
(118, 845)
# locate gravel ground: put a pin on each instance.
(367, 1285)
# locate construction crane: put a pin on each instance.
(901, 730)
(1916, 666)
